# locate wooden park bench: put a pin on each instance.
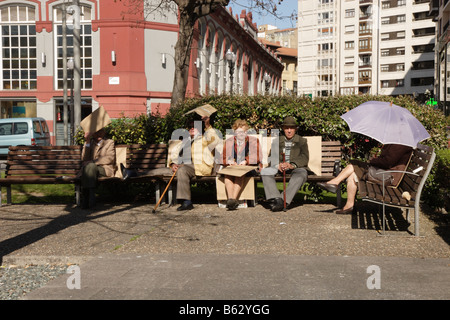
(41, 165)
(61, 164)
(407, 194)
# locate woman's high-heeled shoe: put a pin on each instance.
(329, 187)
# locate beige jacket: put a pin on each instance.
(203, 151)
(103, 155)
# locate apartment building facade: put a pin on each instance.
(318, 36)
(440, 9)
(127, 61)
(365, 46)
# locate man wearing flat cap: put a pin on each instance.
(293, 159)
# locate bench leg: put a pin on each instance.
(416, 220)
(172, 195)
(339, 196)
(157, 191)
(407, 215)
(78, 195)
(0, 196)
(8, 195)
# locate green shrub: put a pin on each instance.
(437, 188)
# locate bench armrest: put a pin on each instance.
(391, 171)
(337, 167)
(404, 172)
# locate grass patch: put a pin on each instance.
(145, 192)
(41, 193)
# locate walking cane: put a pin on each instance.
(284, 184)
(167, 187)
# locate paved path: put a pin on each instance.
(251, 277)
(125, 252)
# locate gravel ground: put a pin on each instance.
(17, 281)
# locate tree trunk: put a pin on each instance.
(182, 58)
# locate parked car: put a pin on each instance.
(23, 132)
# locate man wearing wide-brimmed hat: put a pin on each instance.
(98, 155)
(293, 159)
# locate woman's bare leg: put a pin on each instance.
(352, 188)
(344, 174)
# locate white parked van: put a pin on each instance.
(23, 132)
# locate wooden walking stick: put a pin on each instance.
(284, 184)
(167, 187)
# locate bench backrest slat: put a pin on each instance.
(43, 161)
(146, 157)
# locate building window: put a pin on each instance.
(18, 48)
(349, 13)
(365, 44)
(349, 44)
(17, 108)
(401, 18)
(350, 29)
(349, 60)
(85, 52)
(426, 81)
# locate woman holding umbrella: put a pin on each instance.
(393, 126)
(392, 157)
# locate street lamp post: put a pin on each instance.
(65, 108)
(231, 58)
(75, 11)
(71, 66)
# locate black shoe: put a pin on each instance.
(185, 207)
(333, 188)
(232, 204)
(278, 205)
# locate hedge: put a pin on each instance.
(320, 116)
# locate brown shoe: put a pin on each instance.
(345, 211)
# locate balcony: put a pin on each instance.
(365, 80)
(434, 9)
(424, 32)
